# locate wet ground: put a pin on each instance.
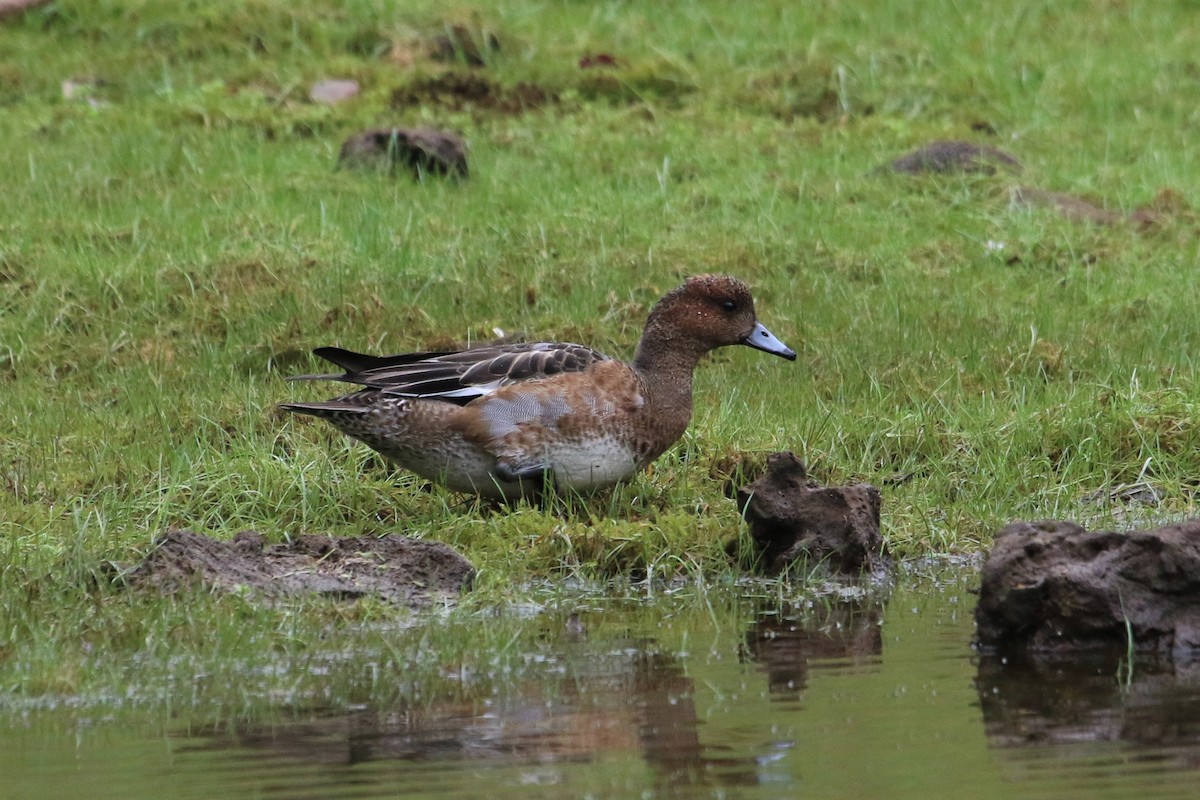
(752, 692)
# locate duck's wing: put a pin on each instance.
(458, 377)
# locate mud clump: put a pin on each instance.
(417, 150)
(1054, 587)
(793, 519)
(398, 569)
(954, 156)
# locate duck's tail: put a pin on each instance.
(355, 364)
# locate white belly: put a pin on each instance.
(594, 466)
(574, 468)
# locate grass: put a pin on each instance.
(171, 250)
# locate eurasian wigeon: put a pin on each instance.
(501, 421)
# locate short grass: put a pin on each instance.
(174, 239)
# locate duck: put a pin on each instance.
(511, 421)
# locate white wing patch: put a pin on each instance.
(477, 389)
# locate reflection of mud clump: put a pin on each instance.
(457, 91)
(786, 643)
(1029, 702)
(395, 568)
(954, 156)
(422, 151)
(792, 518)
(1055, 587)
(579, 707)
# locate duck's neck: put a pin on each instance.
(666, 366)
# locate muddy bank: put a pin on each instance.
(1054, 587)
(400, 570)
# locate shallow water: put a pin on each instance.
(746, 692)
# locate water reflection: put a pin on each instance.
(594, 699)
(732, 697)
(787, 641)
(628, 698)
(1039, 707)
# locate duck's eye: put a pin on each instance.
(729, 305)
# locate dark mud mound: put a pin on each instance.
(420, 151)
(1053, 587)
(954, 156)
(409, 572)
(794, 519)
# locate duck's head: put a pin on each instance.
(711, 311)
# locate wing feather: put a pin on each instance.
(459, 376)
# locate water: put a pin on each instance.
(744, 693)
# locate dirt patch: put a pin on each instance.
(794, 519)
(420, 151)
(1053, 587)
(1166, 207)
(398, 569)
(1073, 208)
(599, 61)
(626, 83)
(953, 156)
(459, 91)
(806, 90)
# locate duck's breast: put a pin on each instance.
(581, 426)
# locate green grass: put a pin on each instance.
(168, 254)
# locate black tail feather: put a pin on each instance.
(328, 408)
(360, 362)
(356, 364)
